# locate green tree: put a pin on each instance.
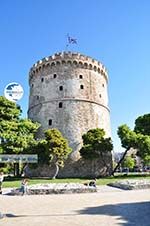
(142, 128)
(128, 140)
(128, 162)
(146, 160)
(143, 146)
(138, 139)
(95, 145)
(16, 134)
(142, 124)
(57, 148)
(41, 149)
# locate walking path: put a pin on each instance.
(108, 207)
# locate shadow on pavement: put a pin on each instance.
(10, 215)
(131, 214)
(135, 214)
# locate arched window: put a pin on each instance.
(80, 76)
(42, 79)
(81, 86)
(75, 63)
(63, 62)
(90, 66)
(95, 68)
(52, 64)
(60, 105)
(55, 75)
(57, 63)
(69, 62)
(85, 65)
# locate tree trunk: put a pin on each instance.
(16, 169)
(120, 161)
(56, 172)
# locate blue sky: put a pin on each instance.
(115, 32)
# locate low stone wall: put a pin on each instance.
(131, 184)
(64, 188)
(73, 169)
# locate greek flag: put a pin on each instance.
(71, 40)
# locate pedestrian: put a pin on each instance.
(24, 184)
(92, 183)
(1, 181)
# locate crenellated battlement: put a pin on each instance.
(69, 58)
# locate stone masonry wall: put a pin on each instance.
(68, 91)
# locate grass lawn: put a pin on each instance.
(16, 182)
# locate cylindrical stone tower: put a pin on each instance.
(68, 91)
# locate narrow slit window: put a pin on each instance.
(50, 122)
(42, 79)
(100, 95)
(60, 88)
(55, 75)
(81, 87)
(60, 105)
(37, 97)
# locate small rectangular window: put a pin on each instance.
(50, 122)
(60, 105)
(60, 88)
(81, 87)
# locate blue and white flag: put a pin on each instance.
(71, 40)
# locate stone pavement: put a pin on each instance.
(108, 207)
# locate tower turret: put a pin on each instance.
(68, 91)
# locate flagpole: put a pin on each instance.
(67, 43)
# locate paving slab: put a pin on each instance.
(108, 207)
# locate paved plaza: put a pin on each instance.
(108, 207)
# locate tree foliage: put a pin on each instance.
(131, 139)
(9, 110)
(138, 139)
(142, 124)
(16, 134)
(146, 160)
(57, 148)
(95, 145)
(128, 137)
(128, 162)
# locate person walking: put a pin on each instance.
(24, 184)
